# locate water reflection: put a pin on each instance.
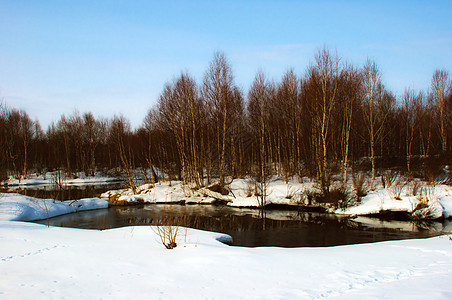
(248, 227)
(69, 192)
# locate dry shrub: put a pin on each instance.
(338, 197)
(218, 188)
(360, 184)
(167, 226)
(291, 191)
(388, 178)
(423, 210)
(397, 189)
(416, 188)
(249, 189)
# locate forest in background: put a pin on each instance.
(334, 119)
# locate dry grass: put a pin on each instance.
(360, 184)
(249, 189)
(397, 188)
(389, 178)
(167, 226)
(416, 188)
(291, 191)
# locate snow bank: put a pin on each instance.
(241, 194)
(15, 207)
(293, 193)
(439, 200)
(37, 262)
(50, 179)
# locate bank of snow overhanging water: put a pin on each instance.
(16, 207)
(437, 203)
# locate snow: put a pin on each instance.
(293, 193)
(439, 199)
(39, 262)
(15, 207)
(52, 177)
(242, 195)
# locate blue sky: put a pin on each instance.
(113, 57)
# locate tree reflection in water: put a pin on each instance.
(251, 227)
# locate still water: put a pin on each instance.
(249, 227)
(69, 192)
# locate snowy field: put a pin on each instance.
(40, 262)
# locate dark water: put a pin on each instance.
(69, 192)
(283, 228)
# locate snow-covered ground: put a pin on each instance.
(242, 193)
(39, 262)
(396, 198)
(439, 199)
(15, 207)
(53, 178)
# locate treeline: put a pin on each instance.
(333, 118)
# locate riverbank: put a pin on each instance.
(414, 200)
(16, 207)
(58, 180)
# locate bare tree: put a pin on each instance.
(323, 77)
(260, 97)
(375, 113)
(288, 110)
(91, 132)
(183, 114)
(3, 145)
(218, 92)
(425, 125)
(441, 85)
(120, 132)
(412, 105)
(150, 124)
(27, 132)
(349, 91)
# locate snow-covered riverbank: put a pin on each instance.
(53, 178)
(15, 207)
(437, 199)
(38, 262)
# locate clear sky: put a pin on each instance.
(113, 57)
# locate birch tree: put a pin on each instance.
(375, 113)
(324, 76)
(411, 105)
(218, 87)
(259, 99)
(441, 85)
(350, 87)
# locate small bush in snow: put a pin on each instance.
(167, 226)
(397, 188)
(249, 189)
(388, 178)
(416, 188)
(338, 197)
(291, 191)
(360, 184)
